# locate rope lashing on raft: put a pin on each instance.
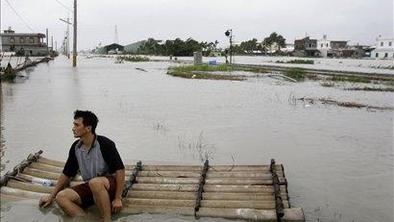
(133, 178)
(20, 167)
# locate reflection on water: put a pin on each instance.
(339, 161)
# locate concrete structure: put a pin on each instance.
(31, 44)
(197, 58)
(110, 49)
(306, 47)
(384, 48)
(331, 48)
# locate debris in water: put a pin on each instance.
(141, 69)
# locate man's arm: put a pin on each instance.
(61, 183)
(117, 202)
(120, 181)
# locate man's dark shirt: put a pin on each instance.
(91, 160)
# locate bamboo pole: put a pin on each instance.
(213, 168)
(187, 211)
(256, 189)
(175, 195)
(239, 188)
(29, 186)
(46, 167)
(165, 187)
(257, 175)
(46, 174)
(51, 162)
(175, 174)
(204, 203)
(167, 180)
(239, 196)
(30, 178)
(162, 195)
(242, 181)
(20, 193)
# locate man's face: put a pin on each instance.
(79, 129)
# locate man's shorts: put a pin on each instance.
(86, 194)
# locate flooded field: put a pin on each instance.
(338, 160)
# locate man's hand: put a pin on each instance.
(46, 200)
(116, 205)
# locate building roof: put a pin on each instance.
(23, 35)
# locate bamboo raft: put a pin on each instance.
(249, 192)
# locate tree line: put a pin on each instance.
(178, 47)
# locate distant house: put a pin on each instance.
(306, 47)
(331, 48)
(384, 48)
(23, 43)
(113, 48)
(288, 49)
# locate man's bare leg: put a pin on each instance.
(70, 202)
(99, 187)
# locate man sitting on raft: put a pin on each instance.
(101, 167)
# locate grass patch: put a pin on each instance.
(295, 73)
(366, 88)
(329, 101)
(338, 78)
(132, 58)
(195, 75)
(327, 84)
(298, 61)
(9, 77)
(205, 68)
(205, 71)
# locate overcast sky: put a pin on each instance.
(359, 21)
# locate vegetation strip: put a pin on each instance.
(343, 104)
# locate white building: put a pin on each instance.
(384, 48)
(330, 48)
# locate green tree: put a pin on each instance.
(274, 38)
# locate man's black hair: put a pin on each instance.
(88, 118)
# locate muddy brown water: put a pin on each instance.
(338, 161)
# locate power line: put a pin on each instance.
(64, 6)
(20, 17)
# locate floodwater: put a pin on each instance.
(338, 161)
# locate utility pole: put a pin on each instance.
(47, 38)
(66, 42)
(68, 38)
(229, 34)
(75, 35)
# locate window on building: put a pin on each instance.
(381, 44)
(386, 55)
(22, 40)
(31, 39)
(12, 40)
(390, 43)
(377, 55)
